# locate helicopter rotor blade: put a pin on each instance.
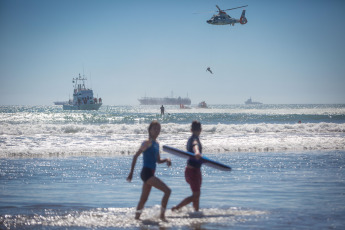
(236, 8)
(219, 10)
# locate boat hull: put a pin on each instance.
(82, 107)
(60, 102)
(250, 102)
(164, 101)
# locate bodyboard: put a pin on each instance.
(206, 161)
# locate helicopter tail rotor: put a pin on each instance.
(243, 19)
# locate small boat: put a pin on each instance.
(250, 102)
(83, 98)
(202, 105)
(182, 106)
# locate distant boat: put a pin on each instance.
(250, 102)
(164, 101)
(60, 102)
(182, 106)
(202, 105)
(82, 97)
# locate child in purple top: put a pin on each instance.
(192, 171)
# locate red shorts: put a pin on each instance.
(193, 178)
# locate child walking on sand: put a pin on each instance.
(192, 171)
(150, 150)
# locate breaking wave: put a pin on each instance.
(119, 130)
(124, 139)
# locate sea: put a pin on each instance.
(67, 169)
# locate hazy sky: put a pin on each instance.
(289, 51)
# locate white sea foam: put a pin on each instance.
(172, 128)
(50, 131)
(32, 140)
(124, 218)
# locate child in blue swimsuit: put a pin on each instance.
(150, 150)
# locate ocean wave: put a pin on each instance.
(139, 115)
(230, 129)
(109, 140)
(264, 109)
(119, 130)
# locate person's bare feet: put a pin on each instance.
(137, 214)
(163, 219)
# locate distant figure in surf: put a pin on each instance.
(192, 172)
(162, 110)
(209, 70)
(150, 150)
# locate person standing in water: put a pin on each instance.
(192, 171)
(162, 110)
(150, 150)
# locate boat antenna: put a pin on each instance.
(90, 81)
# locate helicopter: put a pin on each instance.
(223, 18)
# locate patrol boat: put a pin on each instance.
(250, 102)
(82, 97)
